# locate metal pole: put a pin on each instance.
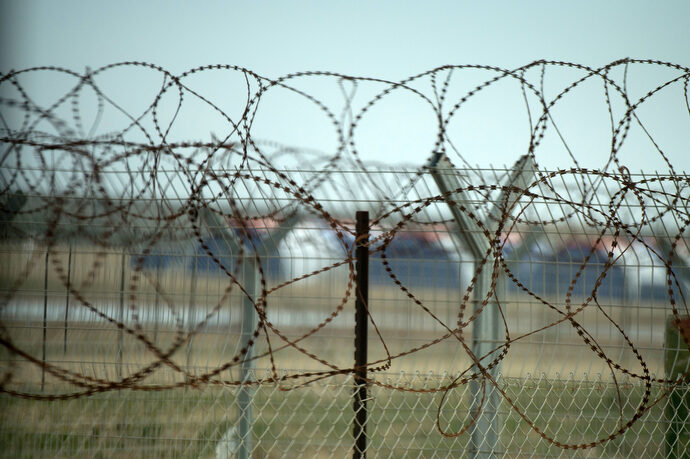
(121, 318)
(45, 319)
(484, 339)
(69, 279)
(676, 359)
(484, 435)
(191, 310)
(155, 304)
(238, 439)
(361, 304)
(677, 364)
(485, 329)
(246, 392)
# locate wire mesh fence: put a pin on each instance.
(316, 421)
(167, 319)
(195, 300)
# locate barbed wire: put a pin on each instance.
(53, 167)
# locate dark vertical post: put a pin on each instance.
(361, 320)
(121, 318)
(69, 280)
(45, 319)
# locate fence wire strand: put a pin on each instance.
(74, 194)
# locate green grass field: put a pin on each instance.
(316, 421)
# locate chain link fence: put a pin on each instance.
(197, 299)
(316, 421)
(182, 396)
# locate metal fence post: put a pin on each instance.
(69, 285)
(121, 318)
(246, 392)
(361, 320)
(156, 301)
(484, 435)
(485, 329)
(677, 364)
(249, 324)
(238, 440)
(677, 361)
(191, 310)
(45, 319)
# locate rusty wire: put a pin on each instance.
(42, 133)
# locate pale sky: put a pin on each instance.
(389, 40)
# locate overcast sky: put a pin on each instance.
(383, 39)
